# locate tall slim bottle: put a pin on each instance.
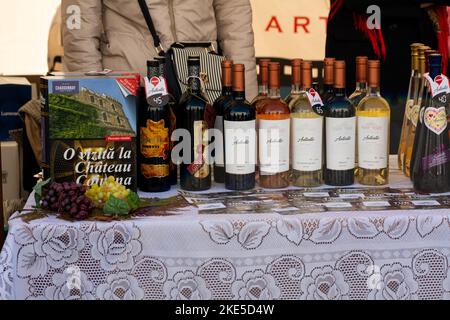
(172, 120)
(373, 117)
(296, 80)
(240, 137)
(432, 164)
(219, 106)
(306, 136)
(327, 92)
(414, 115)
(154, 127)
(423, 105)
(361, 81)
(263, 89)
(411, 98)
(273, 119)
(340, 133)
(195, 174)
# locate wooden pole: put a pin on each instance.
(2, 222)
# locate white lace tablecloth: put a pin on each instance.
(349, 255)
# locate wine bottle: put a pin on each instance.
(372, 118)
(432, 163)
(361, 81)
(412, 96)
(306, 134)
(423, 104)
(340, 134)
(414, 113)
(195, 174)
(240, 137)
(219, 106)
(327, 92)
(273, 118)
(154, 138)
(295, 79)
(173, 169)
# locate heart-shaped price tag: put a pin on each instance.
(435, 119)
(156, 91)
(316, 101)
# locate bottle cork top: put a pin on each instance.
(339, 74)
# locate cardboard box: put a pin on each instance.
(89, 128)
(14, 93)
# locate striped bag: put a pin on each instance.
(176, 62)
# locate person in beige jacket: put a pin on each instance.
(112, 34)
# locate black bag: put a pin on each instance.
(176, 62)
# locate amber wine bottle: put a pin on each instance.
(340, 133)
(410, 100)
(361, 81)
(240, 137)
(373, 117)
(423, 98)
(296, 80)
(195, 174)
(263, 89)
(219, 106)
(432, 163)
(274, 135)
(154, 151)
(414, 113)
(306, 134)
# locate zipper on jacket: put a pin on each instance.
(172, 21)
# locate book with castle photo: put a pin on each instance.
(89, 128)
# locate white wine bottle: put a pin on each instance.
(373, 117)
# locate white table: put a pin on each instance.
(348, 255)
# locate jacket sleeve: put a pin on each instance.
(82, 40)
(236, 39)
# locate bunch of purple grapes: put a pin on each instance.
(67, 197)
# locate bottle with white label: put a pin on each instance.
(219, 107)
(273, 135)
(239, 137)
(340, 133)
(373, 117)
(306, 135)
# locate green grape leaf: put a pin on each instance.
(38, 191)
(133, 200)
(117, 207)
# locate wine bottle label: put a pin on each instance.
(307, 144)
(439, 157)
(218, 125)
(274, 146)
(435, 119)
(316, 101)
(154, 171)
(154, 140)
(240, 139)
(408, 108)
(438, 85)
(156, 91)
(199, 168)
(373, 135)
(340, 142)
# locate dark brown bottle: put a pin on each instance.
(154, 157)
(273, 118)
(195, 174)
(219, 106)
(240, 137)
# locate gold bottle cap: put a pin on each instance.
(264, 71)
(374, 73)
(239, 78)
(274, 75)
(227, 73)
(422, 61)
